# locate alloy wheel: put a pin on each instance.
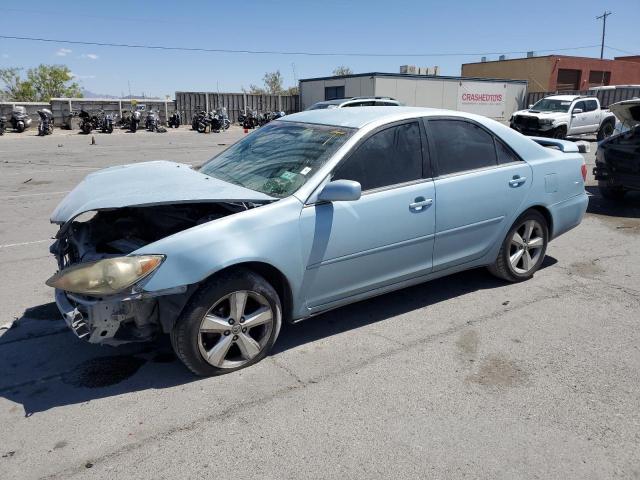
(236, 329)
(526, 247)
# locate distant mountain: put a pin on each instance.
(90, 94)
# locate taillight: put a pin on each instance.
(584, 171)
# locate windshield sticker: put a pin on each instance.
(287, 175)
(305, 170)
(565, 103)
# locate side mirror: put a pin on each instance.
(530, 106)
(577, 110)
(340, 191)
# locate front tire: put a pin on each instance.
(523, 249)
(230, 323)
(560, 133)
(20, 127)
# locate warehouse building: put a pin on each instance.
(551, 73)
(494, 98)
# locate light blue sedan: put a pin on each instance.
(311, 212)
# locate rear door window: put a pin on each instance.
(590, 105)
(461, 146)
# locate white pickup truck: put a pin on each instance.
(559, 116)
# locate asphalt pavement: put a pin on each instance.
(462, 377)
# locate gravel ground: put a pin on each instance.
(463, 377)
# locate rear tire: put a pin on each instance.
(523, 249)
(606, 130)
(615, 194)
(228, 343)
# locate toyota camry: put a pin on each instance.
(311, 212)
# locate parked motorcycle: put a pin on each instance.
(3, 124)
(107, 121)
(20, 121)
(249, 119)
(200, 117)
(131, 120)
(219, 120)
(88, 121)
(96, 121)
(45, 127)
(175, 120)
(267, 117)
(152, 122)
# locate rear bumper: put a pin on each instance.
(615, 179)
(568, 214)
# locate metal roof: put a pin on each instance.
(406, 75)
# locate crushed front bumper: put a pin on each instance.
(111, 321)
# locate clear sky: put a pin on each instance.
(393, 26)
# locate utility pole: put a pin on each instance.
(604, 27)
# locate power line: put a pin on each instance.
(279, 52)
(621, 51)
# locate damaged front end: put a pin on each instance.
(131, 314)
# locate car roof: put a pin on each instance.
(361, 116)
(566, 98)
(340, 101)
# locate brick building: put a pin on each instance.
(552, 73)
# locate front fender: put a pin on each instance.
(267, 234)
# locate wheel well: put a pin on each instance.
(547, 216)
(608, 120)
(277, 280)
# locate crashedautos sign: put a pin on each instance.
(483, 98)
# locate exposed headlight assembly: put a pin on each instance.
(546, 121)
(105, 277)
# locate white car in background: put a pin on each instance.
(356, 102)
(559, 116)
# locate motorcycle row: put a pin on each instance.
(89, 121)
(218, 120)
(20, 121)
(99, 120)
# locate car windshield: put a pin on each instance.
(322, 106)
(277, 159)
(550, 105)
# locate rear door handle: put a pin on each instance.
(420, 203)
(517, 181)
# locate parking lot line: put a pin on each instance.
(24, 243)
(9, 197)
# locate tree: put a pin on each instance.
(272, 84)
(42, 83)
(14, 88)
(342, 70)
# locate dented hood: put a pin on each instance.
(627, 111)
(146, 184)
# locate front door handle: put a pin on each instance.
(517, 180)
(420, 203)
